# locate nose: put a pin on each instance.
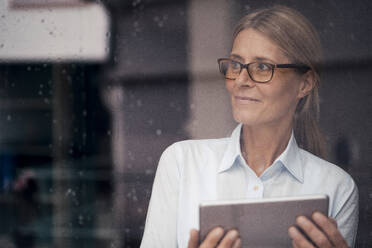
(244, 79)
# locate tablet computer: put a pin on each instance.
(260, 222)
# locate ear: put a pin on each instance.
(307, 84)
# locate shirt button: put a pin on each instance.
(255, 188)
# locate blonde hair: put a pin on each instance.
(300, 42)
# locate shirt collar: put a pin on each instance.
(290, 158)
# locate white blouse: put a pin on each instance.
(192, 171)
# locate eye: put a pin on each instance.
(234, 65)
(263, 67)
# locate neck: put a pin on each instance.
(260, 146)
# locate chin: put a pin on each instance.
(247, 118)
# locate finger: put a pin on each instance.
(294, 244)
(313, 232)
(329, 227)
(194, 239)
(237, 243)
(334, 222)
(298, 239)
(228, 240)
(213, 238)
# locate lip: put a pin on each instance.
(246, 99)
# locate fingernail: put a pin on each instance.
(219, 231)
(292, 231)
(316, 215)
(233, 234)
(300, 220)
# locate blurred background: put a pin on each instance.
(91, 93)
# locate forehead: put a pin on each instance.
(252, 45)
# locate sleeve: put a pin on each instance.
(161, 221)
(347, 214)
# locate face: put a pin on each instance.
(258, 104)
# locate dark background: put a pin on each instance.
(56, 123)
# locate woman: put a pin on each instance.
(272, 76)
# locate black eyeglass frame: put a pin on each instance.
(300, 67)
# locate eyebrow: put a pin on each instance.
(236, 56)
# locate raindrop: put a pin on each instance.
(85, 113)
(29, 68)
(81, 219)
(42, 20)
(9, 118)
(139, 103)
(109, 133)
(1, 45)
(40, 93)
(136, 2)
(158, 132)
(69, 192)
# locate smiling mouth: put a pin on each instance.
(246, 99)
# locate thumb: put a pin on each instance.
(194, 239)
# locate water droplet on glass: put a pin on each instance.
(9, 118)
(158, 132)
(81, 219)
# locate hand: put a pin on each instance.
(324, 233)
(216, 238)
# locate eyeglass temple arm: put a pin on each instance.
(297, 66)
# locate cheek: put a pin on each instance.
(282, 99)
(229, 84)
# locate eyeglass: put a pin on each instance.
(259, 72)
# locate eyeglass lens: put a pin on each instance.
(259, 72)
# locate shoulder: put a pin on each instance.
(202, 146)
(194, 153)
(326, 173)
(320, 166)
